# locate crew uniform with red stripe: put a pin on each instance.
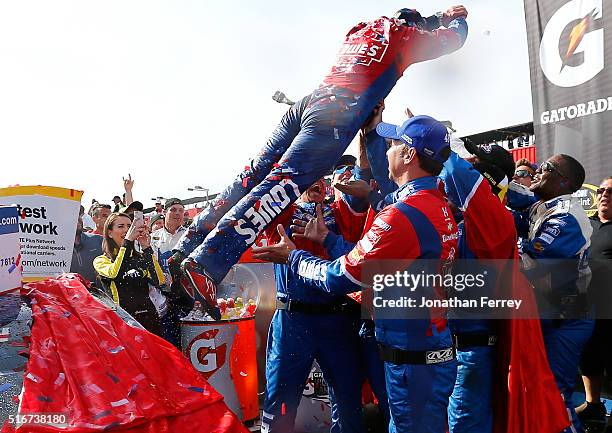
(312, 136)
(308, 326)
(486, 232)
(419, 226)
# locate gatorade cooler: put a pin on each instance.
(225, 351)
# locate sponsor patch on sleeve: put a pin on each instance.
(545, 237)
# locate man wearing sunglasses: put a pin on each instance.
(597, 357)
(555, 252)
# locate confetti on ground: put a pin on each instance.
(32, 377)
(102, 414)
(121, 402)
(5, 386)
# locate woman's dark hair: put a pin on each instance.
(109, 246)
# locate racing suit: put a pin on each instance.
(309, 325)
(555, 254)
(486, 232)
(312, 136)
(419, 362)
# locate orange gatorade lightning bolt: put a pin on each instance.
(577, 34)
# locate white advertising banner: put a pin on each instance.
(47, 226)
(10, 267)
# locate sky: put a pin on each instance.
(178, 93)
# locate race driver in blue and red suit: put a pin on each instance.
(311, 137)
(417, 230)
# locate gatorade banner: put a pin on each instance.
(10, 267)
(570, 56)
(47, 220)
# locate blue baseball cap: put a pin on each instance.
(428, 136)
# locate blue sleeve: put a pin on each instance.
(559, 237)
(376, 150)
(364, 174)
(326, 276)
(358, 205)
(460, 180)
(521, 222)
(460, 26)
(518, 197)
(432, 23)
(336, 246)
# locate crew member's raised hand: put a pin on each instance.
(314, 230)
(357, 188)
(278, 253)
(374, 118)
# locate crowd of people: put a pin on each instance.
(127, 257)
(407, 201)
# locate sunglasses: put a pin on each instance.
(344, 168)
(600, 191)
(549, 167)
(523, 173)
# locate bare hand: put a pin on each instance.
(452, 13)
(278, 253)
(314, 230)
(375, 118)
(135, 230)
(356, 188)
(128, 183)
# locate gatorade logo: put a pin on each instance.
(559, 50)
(204, 354)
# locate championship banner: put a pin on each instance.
(570, 59)
(47, 220)
(10, 266)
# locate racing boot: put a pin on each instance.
(202, 286)
(180, 289)
(592, 416)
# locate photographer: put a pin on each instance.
(126, 273)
